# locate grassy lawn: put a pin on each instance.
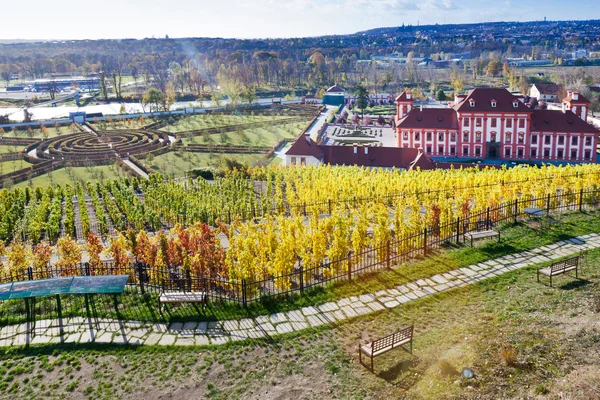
(266, 136)
(522, 339)
(124, 123)
(195, 122)
(10, 148)
(177, 163)
(11, 166)
(75, 174)
(38, 133)
(381, 110)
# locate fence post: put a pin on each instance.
(139, 271)
(30, 273)
(301, 279)
(305, 209)
(458, 230)
(548, 204)
(350, 265)
(244, 302)
(329, 205)
(487, 219)
(87, 268)
(388, 254)
(580, 199)
(516, 210)
(425, 241)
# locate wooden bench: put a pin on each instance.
(560, 267)
(186, 296)
(380, 346)
(482, 235)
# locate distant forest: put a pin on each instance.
(241, 69)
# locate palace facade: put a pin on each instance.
(495, 124)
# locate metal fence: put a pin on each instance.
(395, 251)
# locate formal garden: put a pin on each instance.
(199, 140)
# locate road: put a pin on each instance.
(46, 113)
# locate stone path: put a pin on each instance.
(81, 330)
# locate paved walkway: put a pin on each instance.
(81, 330)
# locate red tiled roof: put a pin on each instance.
(483, 101)
(303, 147)
(548, 88)
(580, 99)
(379, 157)
(557, 121)
(430, 118)
(402, 97)
(335, 88)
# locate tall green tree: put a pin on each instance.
(362, 98)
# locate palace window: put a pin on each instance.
(428, 136)
(293, 161)
(520, 153)
(588, 141)
(453, 137)
(534, 139)
(533, 153)
(478, 151)
(429, 149)
(478, 137)
(417, 136)
(493, 137)
(452, 150)
(521, 123)
(478, 122)
(302, 161)
(440, 136)
(521, 138)
(588, 155)
(507, 138)
(465, 151)
(559, 154)
(494, 121)
(466, 122)
(573, 153)
(546, 153)
(507, 152)
(561, 140)
(405, 135)
(440, 149)
(574, 140)
(509, 123)
(547, 139)
(466, 137)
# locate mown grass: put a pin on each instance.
(72, 175)
(196, 122)
(263, 136)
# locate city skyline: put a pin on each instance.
(65, 20)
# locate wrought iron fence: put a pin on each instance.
(395, 251)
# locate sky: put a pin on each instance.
(114, 19)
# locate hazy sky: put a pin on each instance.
(70, 19)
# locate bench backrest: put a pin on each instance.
(569, 262)
(390, 340)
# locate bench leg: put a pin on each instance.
(372, 364)
(360, 355)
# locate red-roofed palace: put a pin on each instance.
(493, 123)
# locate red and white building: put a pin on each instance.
(494, 124)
